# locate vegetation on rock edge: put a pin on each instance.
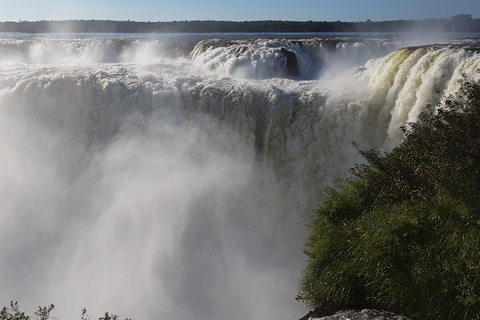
(403, 233)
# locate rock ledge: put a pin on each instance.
(366, 314)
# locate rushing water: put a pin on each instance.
(161, 176)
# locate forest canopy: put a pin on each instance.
(459, 23)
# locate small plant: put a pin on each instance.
(13, 313)
(43, 313)
(84, 315)
(108, 316)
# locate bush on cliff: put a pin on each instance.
(403, 233)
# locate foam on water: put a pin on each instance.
(155, 183)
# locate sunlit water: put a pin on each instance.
(161, 176)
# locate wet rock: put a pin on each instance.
(366, 314)
(292, 64)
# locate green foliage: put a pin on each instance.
(43, 313)
(13, 312)
(403, 233)
(107, 316)
(458, 23)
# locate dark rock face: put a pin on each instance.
(366, 314)
(292, 64)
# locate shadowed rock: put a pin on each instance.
(292, 64)
(366, 314)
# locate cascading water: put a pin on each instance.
(151, 178)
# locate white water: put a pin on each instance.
(149, 182)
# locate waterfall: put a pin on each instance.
(159, 177)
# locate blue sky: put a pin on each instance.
(236, 10)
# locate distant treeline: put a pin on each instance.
(463, 23)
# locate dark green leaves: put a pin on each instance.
(404, 232)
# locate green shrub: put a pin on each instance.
(403, 233)
(43, 313)
(13, 312)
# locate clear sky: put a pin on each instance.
(235, 10)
